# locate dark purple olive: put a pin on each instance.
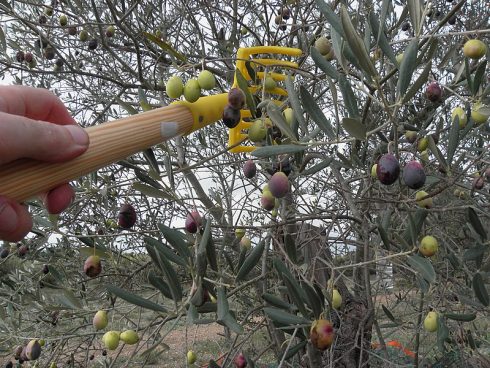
(478, 182)
(28, 57)
(433, 92)
(49, 53)
(17, 352)
(236, 98)
(414, 175)
(127, 216)
(388, 169)
(284, 166)
(20, 56)
(249, 169)
(45, 269)
(405, 26)
(4, 252)
(22, 251)
(23, 357)
(286, 14)
(231, 117)
(92, 44)
(452, 20)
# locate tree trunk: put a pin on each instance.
(353, 321)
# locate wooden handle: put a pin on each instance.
(109, 143)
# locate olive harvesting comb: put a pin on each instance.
(236, 134)
(115, 140)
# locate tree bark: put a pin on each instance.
(353, 321)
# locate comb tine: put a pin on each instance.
(279, 91)
(245, 114)
(275, 62)
(275, 76)
(243, 125)
(240, 65)
(236, 136)
(247, 51)
(239, 149)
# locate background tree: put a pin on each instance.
(355, 98)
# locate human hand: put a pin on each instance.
(34, 123)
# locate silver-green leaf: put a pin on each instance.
(355, 128)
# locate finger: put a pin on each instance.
(15, 221)
(34, 103)
(24, 137)
(58, 199)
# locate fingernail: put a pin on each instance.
(79, 135)
(8, 218)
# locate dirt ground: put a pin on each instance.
(204, 340)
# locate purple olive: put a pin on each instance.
(92, 44)
(388, 169)
(433, 92)
(286, 14)
(414, 175)
(236, 98)
(478, 182)
(127, 216)
(193, 221)
(22, 251)
(4, 252)
(279, 184)
(267, 201)
(28, 57)
(231, 117)
(284, 166)
(249, 169)
(20, 56)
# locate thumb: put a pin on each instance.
(21, 137)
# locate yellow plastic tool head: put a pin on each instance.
(255, 58)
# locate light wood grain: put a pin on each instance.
(109, 143)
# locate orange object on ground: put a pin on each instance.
(395, 344)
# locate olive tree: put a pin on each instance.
(376, 83)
